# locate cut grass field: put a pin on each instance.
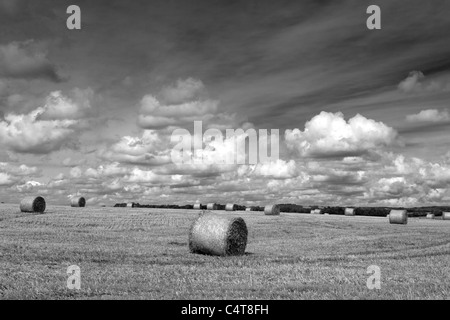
(127, 253)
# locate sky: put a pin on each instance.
(363, 115)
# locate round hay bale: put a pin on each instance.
(130, 205)
(212, 206)
(445, 215)
(78, 202)
(430, 215)
(230, 207)
(197, 206)
(272, 210)
(316, 211)
(398, 217)
(349, 211)
(218, 235)
(32, 204)
(248, 209)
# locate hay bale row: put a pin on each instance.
(78, 202)
(197, 206)
(32, 204)
(212, 206)
(231, 207)
(398, 217)
(272, 210)
(349, 211)
(218, 235)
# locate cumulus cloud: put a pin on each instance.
(180, 105)
(154, 115)
(11, 174)
(149, 149)
(26, 134)
(58, 107)
(329, 134)
(26, 60)
(416, 83)
(429, 115)
(412, 82)
(46, 128)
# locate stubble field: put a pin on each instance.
(135, 253)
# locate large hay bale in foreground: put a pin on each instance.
(349, 211)
(218, 235)
(197, 206)
(445, 215)
(230, 207)
(78, 202)
(430, 215)
(272, 210)
(212, 206)
(32, 204)
(398, 217)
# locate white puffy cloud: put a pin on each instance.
(429, 115)
(328, 134)
(26, 134)
(151, 148)
(59, 107)
(47, 128)
(26, 60)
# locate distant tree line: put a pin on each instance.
(295, 208)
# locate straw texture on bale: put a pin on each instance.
(349, 211)
(32, 204)
(197, 206)
(398, 217)
(218, 235)
(445, 215)
(272, 210)
(211, 206)
(78, 202)
(230, 207)
(430, 216)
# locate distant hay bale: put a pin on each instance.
(272, 210)
(218, 235)
(445, 215)
(230, 207)
(349, 211)
(316, 211)
(130, 205)
(430, 215)
(78, 202)
(248, 209)
(212, 206)
(32, 204)
(398, 217)
(197, 206)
